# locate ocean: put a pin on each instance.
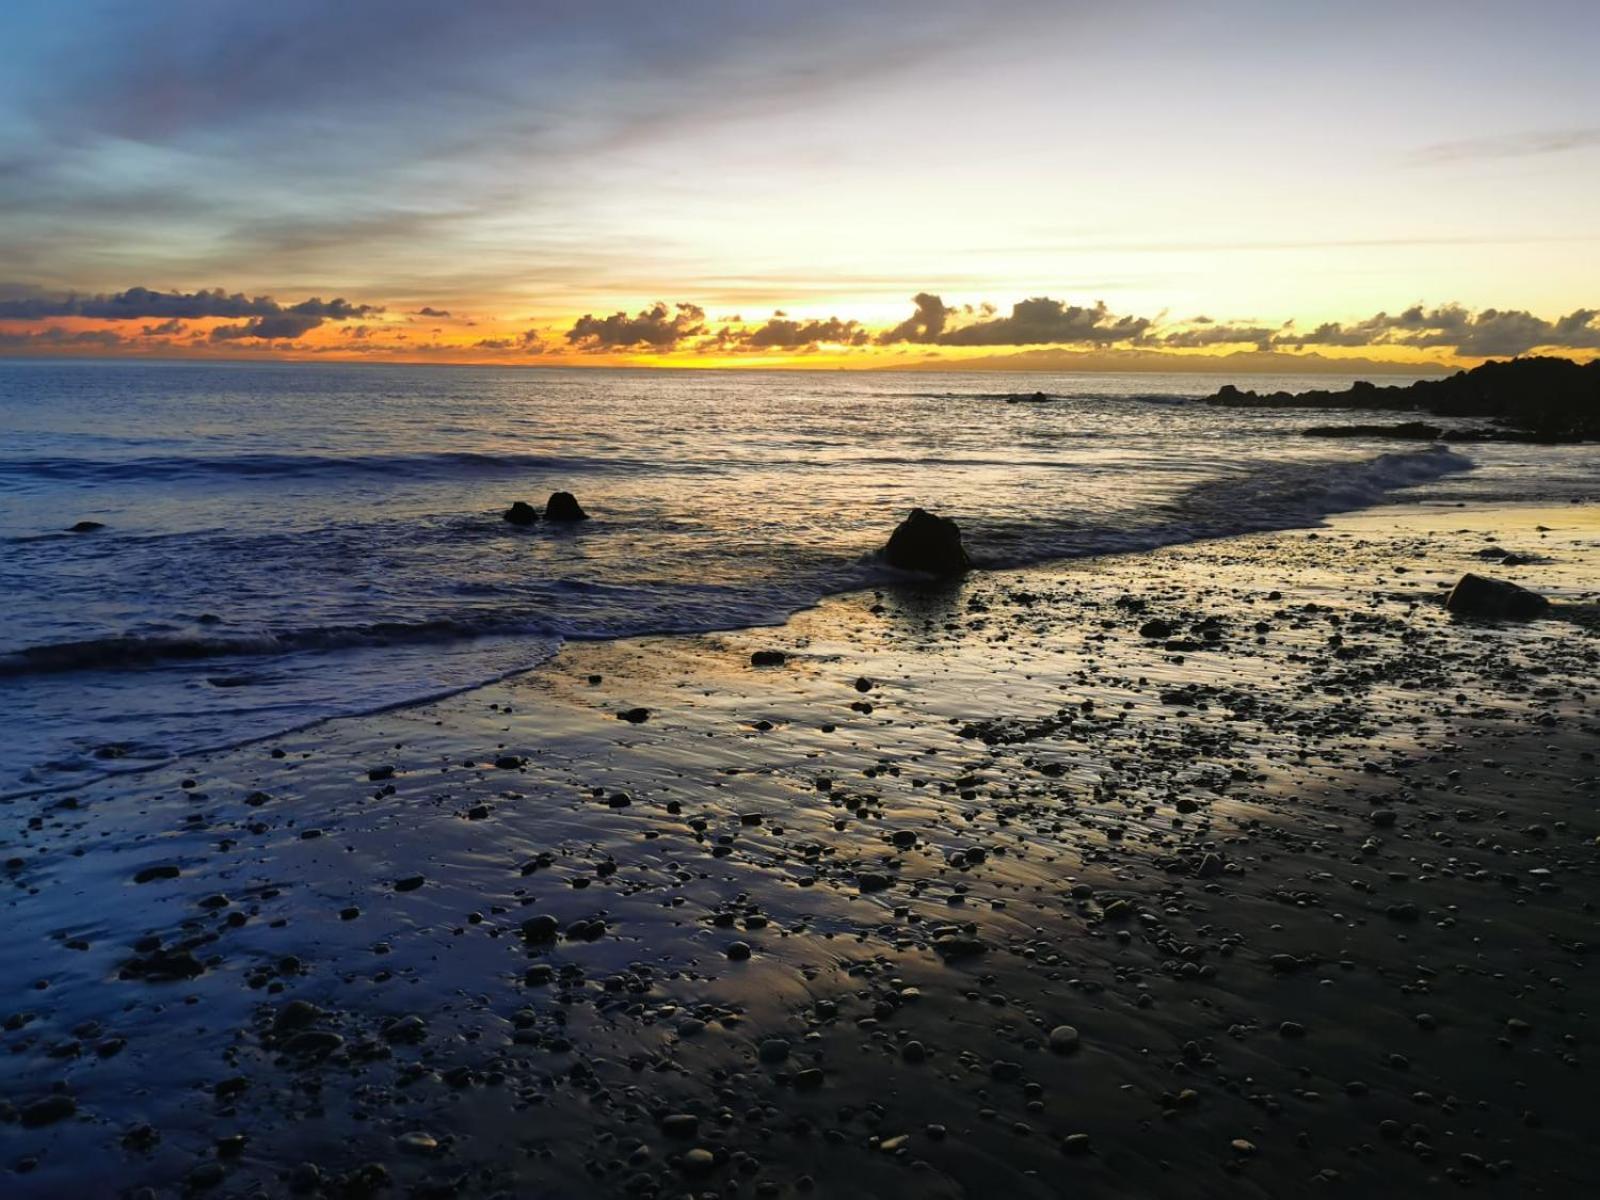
(288, 542)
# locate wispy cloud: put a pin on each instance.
(1515, 145)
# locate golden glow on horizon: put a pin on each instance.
(457, 341)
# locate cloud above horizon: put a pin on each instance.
(1491, 333)
(1037, 321)
(141, 303)
(782, 332)
(1519, 145)
(654, 328)
(216, 317)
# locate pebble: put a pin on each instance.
(1064, 1039)
(48, 1111)
(773, 1050)
(680, 1125)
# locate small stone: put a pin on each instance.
(307, 1177)
(417, 1142)
(773, 1050)
(409, 1028)
(698, 1161)
(680, 1125)
(738, 951)
(204, 1177)
(48, 1111)
(297, 1014)
(314, 1043)
(954, 946)
(542, 928)
(1064, 1039)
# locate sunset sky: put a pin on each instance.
(823, 184)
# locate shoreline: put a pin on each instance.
(1152, 539)
(1030, 818)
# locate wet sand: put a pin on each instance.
(979, 892)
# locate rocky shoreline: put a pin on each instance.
(1235, 868)
(1543, 400)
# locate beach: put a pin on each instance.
(811, 602)
(979, 884)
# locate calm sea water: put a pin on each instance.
(289, 542)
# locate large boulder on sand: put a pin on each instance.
(925, 542)
(521, 513)
(1494, 600)
(563, 506)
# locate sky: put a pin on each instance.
(1137, 185)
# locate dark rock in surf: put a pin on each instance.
(1416, 431)
(521, 513)
(929, 543)
(86, 527)
(564, 506)
(768, 658)
(1494, 600)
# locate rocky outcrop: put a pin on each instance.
(521, 513)
(928, 543)
(1533, 399)
(564, 506)
(1494, 600)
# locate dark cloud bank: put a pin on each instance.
(264, 318)
(1042, 321)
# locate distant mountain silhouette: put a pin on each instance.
(1542, 399)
